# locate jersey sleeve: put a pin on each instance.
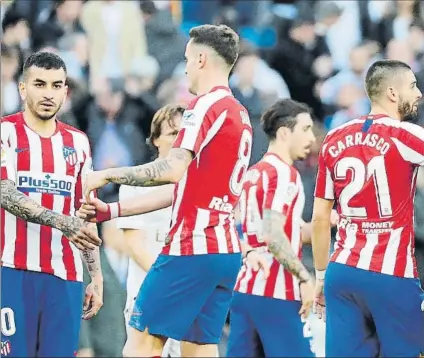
(135, 222)
(280, 189)
(8, 170)
(200, 123)
(86, 167)
(324, 186)
(410, 143)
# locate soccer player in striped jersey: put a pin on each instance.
(145, 234)
(187, 293)
(43, 167)
(267, 317)
(373, 299)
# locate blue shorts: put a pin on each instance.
(42, 314)
(187, 298)
(370, 313)
(267, 327)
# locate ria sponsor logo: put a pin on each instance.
(45, 184)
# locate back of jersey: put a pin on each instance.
(369, 166)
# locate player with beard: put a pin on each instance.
(373, 300)
(43, 166)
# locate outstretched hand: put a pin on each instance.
(94, 211)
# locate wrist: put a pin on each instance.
(114, 210)
(320, 274)
(97, 279)
(248, 252)
(304, 278)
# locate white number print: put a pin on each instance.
(240, 169)
(8, 327)
(250, 213)
(376, 169)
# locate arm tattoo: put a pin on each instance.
(92, 258)
(23, 207)
(280, 246)
(159, 172)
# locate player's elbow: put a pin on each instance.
(178, 161)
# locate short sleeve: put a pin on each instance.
(201, 122)
(8, 169)
(280, 188)
(410, 143)
(324, 186)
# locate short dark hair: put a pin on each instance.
(221, 38)
(46, 60)
(282, 113)
(379, 72)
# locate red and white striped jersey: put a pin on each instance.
(217, 130)
(51, 172)
(273, 185)
(369, 166)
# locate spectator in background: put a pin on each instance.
(401, 51)
(116, 37)
(74, 51)
(165, 41)
(17, 33)
(298, 58)
(360, 58)
(10, 99)
(113, 128)
(416, 41)
(397, 20)
(58, 22)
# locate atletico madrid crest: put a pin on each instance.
(70, 155)
(5, 349)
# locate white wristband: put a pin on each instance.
(320, 274)
(114, 210)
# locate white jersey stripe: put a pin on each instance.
(233, 232)
(280, 284)
(58, 204)
(390, 255)
(33, 230)
(175, 248)
(220, 234)
(349, 244)
(409, 269)
(199, 236)
(365, 256)
(259, 284)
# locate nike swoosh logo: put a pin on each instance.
(20, 150)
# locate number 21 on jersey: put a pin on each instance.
(361, 173)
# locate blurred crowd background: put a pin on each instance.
(125, 59)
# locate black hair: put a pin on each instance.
(379, 72)
(282, 113)
(45, 60)
(221, 38)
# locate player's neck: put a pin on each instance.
(211, 81)
(389, 112)
(282, 152)
(41, 127)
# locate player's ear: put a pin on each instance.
(66, 94)
(392, 94)
(202, 60)
(22, 91)
(282, 133)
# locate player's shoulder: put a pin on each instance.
(205, 103)
(276, 168)
(80, 138)
(402, 128)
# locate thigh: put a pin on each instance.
(398, 310)
(281, 330)
(209, 323)
(60, 318)
(172, 295)
(19, 314)
(350, 330)
(243, 340)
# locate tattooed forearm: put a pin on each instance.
(25, 208)
(159, 172)
(92, 258)
(280, 246)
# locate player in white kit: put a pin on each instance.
(145, 234)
